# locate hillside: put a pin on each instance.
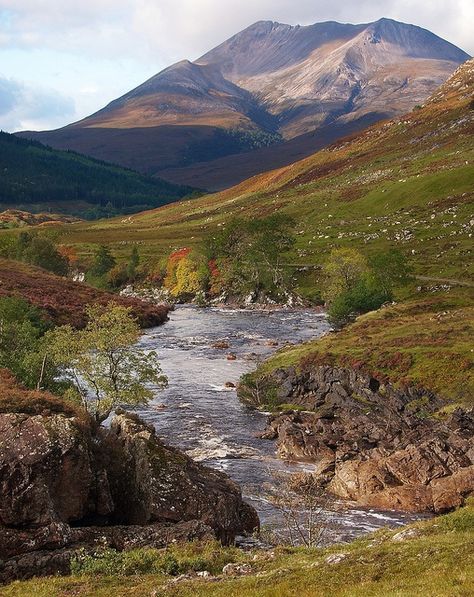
(270, 82)
(36, 177)
(63, 301)
(16, 218)
(408, 182)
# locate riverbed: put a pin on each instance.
(199, 414)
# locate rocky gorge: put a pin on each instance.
(66, 485)
(370, 442)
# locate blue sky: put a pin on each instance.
(62, 60)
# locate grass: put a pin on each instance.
(438, 560)
(14, 398)
(424, 342)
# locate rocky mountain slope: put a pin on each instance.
(269, 81)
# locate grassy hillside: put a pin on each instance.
(407, 183)
(37, 177)
(433, 558)
(424, 342)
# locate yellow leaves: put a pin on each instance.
(187, 278)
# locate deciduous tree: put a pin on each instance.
(103, 362)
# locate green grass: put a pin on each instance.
(438, 561)
(425, 342)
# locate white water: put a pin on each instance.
(203, 417)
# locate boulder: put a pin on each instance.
(155, 483)
(67, 485)
(372, 443)
(46, 471)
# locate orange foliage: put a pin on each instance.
(69, 253)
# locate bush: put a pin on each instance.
(363, 297)
(355, 286)
(36, 250)
(172, 561)
(21, 344)
(43, 253)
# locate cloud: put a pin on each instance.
(25, 107)
(164, 30)
(96, 50)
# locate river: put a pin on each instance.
(200, 415)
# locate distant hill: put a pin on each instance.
(280, 90)
(16, 218)
(37, 178)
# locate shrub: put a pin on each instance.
(172, 561)
(363, 297)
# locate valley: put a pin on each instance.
(266, 389)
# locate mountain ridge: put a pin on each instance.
(270, 77)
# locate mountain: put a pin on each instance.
(282, 90)
(36, 177)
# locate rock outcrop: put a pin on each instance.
(65, 486)
(373, 443)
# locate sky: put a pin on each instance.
(61, 60)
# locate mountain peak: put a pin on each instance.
(270, 78)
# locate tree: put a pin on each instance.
(43, 253)
(355, 286)
(187, 273)
(390, 268)
(187, 279)
(38, 250)
(363, 297)
(103, 363)
(104, 261)
(302, 502)
(342, 272)
(248, 255)
(22, 345)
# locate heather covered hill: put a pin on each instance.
(64, 301)
(36, 177)
(267, 83)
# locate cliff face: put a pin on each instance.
(372, 443)
(64, 486)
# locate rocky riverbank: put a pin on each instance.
(370, 442)
(66, 486)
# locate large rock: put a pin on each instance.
(156, 483)
(372, 443)
(46, 470)
(65, 485)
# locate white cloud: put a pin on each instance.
(24, 107)
(174, 29)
